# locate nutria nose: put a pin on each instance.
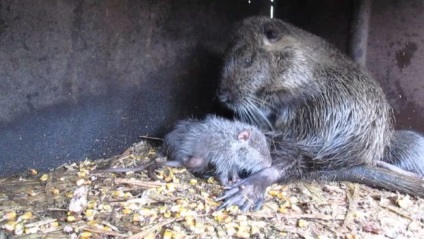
(225, 96)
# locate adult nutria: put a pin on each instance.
(330, 118)
(215, 146)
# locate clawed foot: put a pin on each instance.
(227, 183)
(229, 178)
(249, 193)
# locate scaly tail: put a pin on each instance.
(374, 177)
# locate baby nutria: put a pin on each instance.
(330, 118)
(230, 147)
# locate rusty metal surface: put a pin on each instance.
(396, 57)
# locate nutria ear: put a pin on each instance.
(272, 32)
(244, 135)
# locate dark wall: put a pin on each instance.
(329, 19)
(87, 78)
(396, 57)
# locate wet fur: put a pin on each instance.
(309, 92)
(326, 114)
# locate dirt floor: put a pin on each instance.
(72, 202)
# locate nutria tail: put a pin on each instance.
(375, 177)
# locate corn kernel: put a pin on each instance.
(137, 217)
(10, 216)
(55, 192)
(170, 187)
(9, 226)
(86, 235)
(26, 216)
(168, 234)
(71, 218)
(127, 211)
(54, 224)
(33, 171)
(211, 180)
(80, 182)
(44, 177)
(302, 223)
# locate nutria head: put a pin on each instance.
(266, 64)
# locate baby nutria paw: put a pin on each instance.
(228, 179)
(249, 193)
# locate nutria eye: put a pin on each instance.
(247, 62)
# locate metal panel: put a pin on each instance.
(87, 78)
(396, 57)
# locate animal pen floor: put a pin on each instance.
(69, 202)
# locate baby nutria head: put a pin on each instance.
(267, 63)
(258, 150)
